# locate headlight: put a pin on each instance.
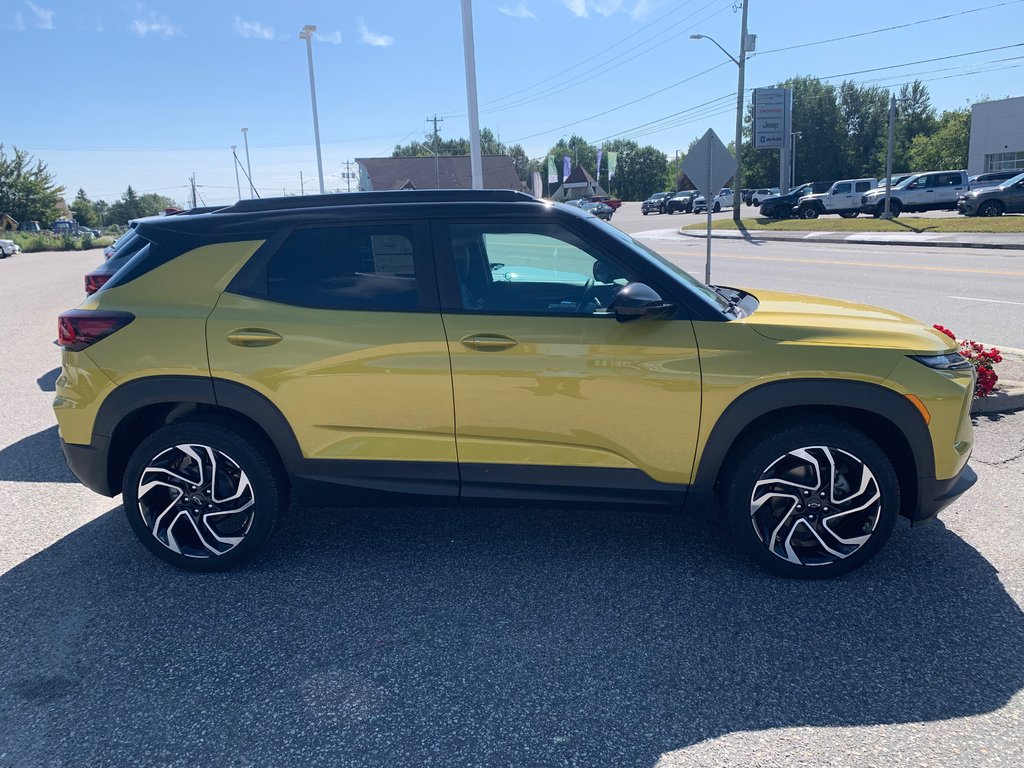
(951, 361)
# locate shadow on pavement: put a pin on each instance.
(497, 637)
(48, 381)
(36, 459)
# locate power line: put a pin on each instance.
(924, 61)
(889, 29)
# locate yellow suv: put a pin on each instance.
(462, 346)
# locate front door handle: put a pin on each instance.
(489, 342)
(253, 337)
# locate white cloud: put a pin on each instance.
(148, 22)
(19, 23)
(578, 7)
(641, 9)
(518, 12)
(607, 7)
(334, 38)
(43, 17)
(253, 30)
(371, 38)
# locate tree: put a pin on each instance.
(27, 191)
(521, 162)
(947, 146)
(153, 204)
(865, 112)
(915, 116)
(640, 173)
(84, 210)
(127, 208)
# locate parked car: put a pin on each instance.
(337, 347)
(111, 249)
(29, 226)
(601, 210)
(895, 180)
(614, 202)
(843, 198)
(992, 178)
(745, 195)
(783, 206)
(1008, 197)
(759, 195)
(930, 191)
(682, 202)
(722, 200)
(99, 276)
(8, 248)
(656, 203)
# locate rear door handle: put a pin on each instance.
(489, 342)
(253, 337)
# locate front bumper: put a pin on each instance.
(933, 495)
(967, 208)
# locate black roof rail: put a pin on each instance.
(376, 198)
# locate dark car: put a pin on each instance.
(601, 210)
(656, 203)
(781, 206)
(1008, 197)
(682, 202)
(131, 243)
(992, 178)
(612, 202)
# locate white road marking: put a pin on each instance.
(990, 301)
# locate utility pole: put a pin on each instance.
(737, 177)
(307, 35)
(888, 155)
(192, 181)
(475, 161)
(238, 184)
(348, 175)
(302, 184)
(437, 168)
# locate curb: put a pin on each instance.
(854, 240)
(1005, 399)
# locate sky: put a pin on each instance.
(111, 93)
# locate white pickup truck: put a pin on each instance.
(8, 248)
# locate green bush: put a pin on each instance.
(33, 242)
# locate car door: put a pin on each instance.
(553, 396)
(948, 188)
(339, 328)
(1014, 198)
(840, 197)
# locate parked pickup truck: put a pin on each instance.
(930, 191)
(843, 198)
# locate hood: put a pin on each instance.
(990, 191)
(803, 319)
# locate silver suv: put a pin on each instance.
(930, 191)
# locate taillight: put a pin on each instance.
(95, 280)
(81, 328)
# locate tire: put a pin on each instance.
(644, 212)
(718, 207)
(849, 214)
(991, 208)
(809, 212)
(863, 485)
(245, 473)
(895, 208)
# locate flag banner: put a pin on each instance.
(552, 173)
(566, 167)
(599, 153)
(612, 157)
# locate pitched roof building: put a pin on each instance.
(383, 173)
(577, 184)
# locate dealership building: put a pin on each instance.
(997, 136)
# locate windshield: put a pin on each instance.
(1010, 182)
(702, 291)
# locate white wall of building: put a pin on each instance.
(997, 136)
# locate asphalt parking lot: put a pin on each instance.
(486, 637)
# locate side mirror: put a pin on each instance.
(637, 300)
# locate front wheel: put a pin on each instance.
(991, 208)
(717, 208)
(811, 500)
(644, 212)
(203, 496)
(809, 212)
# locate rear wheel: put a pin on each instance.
(812, 500)
(718, 207)
(991, 208)
(203, 496)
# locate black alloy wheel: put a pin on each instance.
(991, 208)
(813, 500)
(204, 496)
(809, 212)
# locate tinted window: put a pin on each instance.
(947, 179)
(357, 268)
(841, 189)
(862, 186)
(531, 270)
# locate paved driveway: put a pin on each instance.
(486, 637)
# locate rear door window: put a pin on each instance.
(842, 189)
(862, 186)
(379, 267)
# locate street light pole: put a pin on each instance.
(307, 35)
(475, 161)
(741, 63)
(248, 165)
(888, 154)
(793, 137)
(238, 183)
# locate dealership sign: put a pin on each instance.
(771, 117)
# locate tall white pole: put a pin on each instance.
(248, 165)
(888, 155)
(307, 35)
(738, 146)
(475, 161)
